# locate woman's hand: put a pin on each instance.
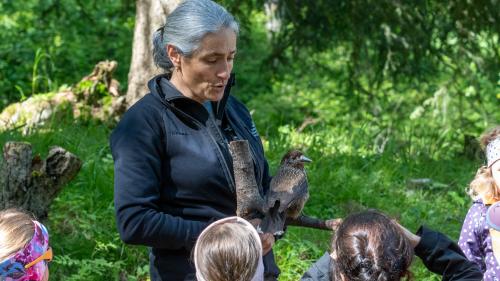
(333, 224)
(267, 239)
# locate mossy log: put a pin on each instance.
(95, 97)
(32, 183)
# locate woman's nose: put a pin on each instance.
(225, 70)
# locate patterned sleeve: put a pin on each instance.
(470, 239)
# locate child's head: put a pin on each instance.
(24, 247)
(229, 250)
(491, 142)
(486, 184)
(369, 246)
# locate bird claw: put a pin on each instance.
(279, 233)
(259, 230)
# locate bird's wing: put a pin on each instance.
(287, 186)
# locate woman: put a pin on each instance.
(173, 169)
(370, 246)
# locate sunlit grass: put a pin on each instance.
(86, 242)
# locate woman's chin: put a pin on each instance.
(216, 95)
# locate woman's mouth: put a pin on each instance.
(220, 85)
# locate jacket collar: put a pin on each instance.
(160, 85)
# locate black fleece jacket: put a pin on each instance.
(173, 174)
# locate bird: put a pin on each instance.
(283, 203)
(288, 193)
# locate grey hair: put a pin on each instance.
(186, 26)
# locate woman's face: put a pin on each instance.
(204, 75)
(495, 171)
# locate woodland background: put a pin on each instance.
(387, 97)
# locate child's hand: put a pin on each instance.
(414, 239)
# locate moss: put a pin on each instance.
(82, 86)
(36, 174)
(43, 97)
(106, 101)
(11, 109)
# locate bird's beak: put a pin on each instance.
(304, 159)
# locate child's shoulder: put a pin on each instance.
(478, 207)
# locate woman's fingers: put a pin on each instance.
(267, 240)
(333, 224)
(255, 222)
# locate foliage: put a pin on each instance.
(394, 37)
(346, 175)
(373, 100)
(81, 224)
(51, 42)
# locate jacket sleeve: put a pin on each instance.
(319, 271)
(443, 256)
(139, 155)
(469, 240)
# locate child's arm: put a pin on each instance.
(470, 241)
(443, 256)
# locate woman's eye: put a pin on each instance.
(211, 60)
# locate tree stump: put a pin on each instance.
(32, 183)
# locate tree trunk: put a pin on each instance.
(150, 15)
(273, 21)
(31, 183)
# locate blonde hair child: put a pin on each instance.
(229, 250)
(479, 240)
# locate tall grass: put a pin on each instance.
(364, 151)
(346, 175)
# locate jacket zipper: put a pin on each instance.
(226, 169)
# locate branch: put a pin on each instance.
(306, 221)
(249, 201)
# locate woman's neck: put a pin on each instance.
(178, 82)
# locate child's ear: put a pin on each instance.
(333, 255)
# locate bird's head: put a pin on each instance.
(295, 158)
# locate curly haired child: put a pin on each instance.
(478, 238)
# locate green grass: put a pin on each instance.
(346, 175)
(365, 145)
(348, 182)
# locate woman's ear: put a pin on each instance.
(174, 55)
(333, 255)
